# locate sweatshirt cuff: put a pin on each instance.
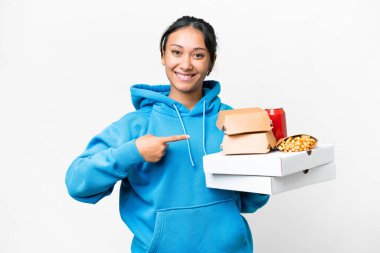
(127, 156)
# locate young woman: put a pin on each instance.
(156, 152)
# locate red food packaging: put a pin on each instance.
(277, 115)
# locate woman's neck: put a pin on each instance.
(189, 100)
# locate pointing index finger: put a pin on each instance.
(175, 138)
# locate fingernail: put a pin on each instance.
(188, 136)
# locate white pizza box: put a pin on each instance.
(274, 163)
(271, 185)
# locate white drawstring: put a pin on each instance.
(203, 132)
(184, 131)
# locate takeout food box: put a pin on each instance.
(246, 130)
(270, 173)
(245, 120)
(272, 185)
(262, 142)
(275, 163)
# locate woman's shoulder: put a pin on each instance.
(144, 111)
(138, 119)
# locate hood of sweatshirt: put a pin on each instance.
(144, 95)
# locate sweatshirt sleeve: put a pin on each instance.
(93, 174)
(250, 202)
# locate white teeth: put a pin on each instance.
(184, 77)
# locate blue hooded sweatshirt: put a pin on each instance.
(166, 204)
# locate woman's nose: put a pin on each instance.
(186, 63)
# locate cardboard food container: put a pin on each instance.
(246, 120)
(250, 143)
(246, 130)
(272, 185)
(275, 163)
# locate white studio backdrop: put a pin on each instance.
(65, 72)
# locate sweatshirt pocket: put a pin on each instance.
(214, 227)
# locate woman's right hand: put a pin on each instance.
(153, 148)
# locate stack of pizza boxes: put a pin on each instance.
(246, 163)
(246, 131)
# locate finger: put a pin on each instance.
(175, 138)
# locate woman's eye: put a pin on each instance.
(176, 52)
(199, 56)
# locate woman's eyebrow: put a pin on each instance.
(197, 48)
(200, 48)
(176, 45)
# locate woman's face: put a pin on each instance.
(186, 60)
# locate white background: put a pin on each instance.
(65, 72)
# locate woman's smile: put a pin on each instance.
(183, 76)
